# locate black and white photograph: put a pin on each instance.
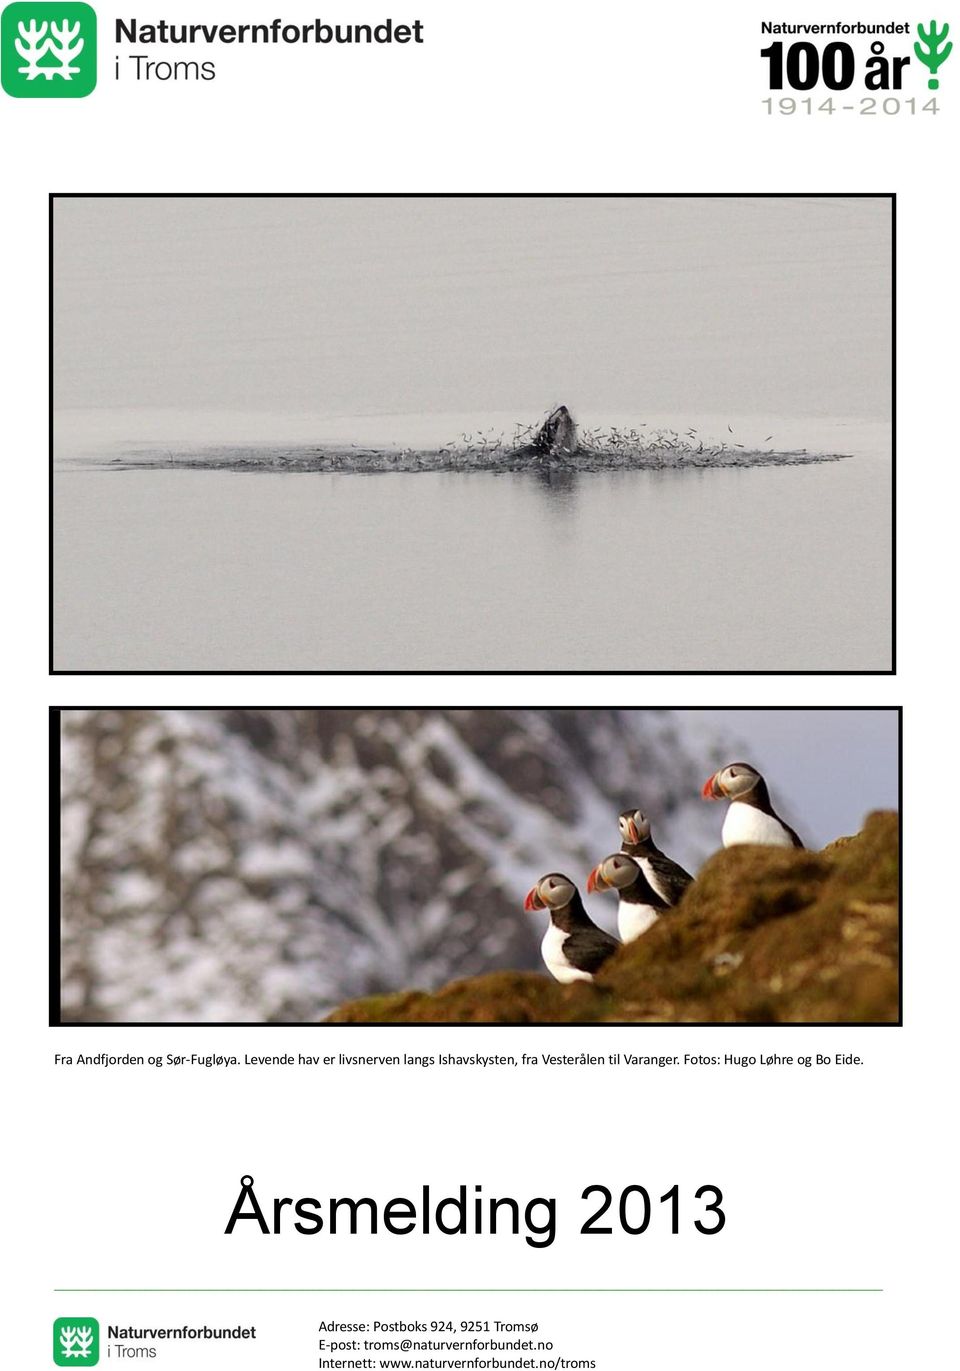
(535, 433)
(477, 866)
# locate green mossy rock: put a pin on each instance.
(765, 935)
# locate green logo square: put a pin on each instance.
(48, 51)
(76, 1342)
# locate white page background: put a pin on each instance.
(831, 1179)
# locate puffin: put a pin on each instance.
(751, 817)
(667, 878)
(640, 905)
(573, 947)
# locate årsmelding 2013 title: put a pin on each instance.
(281, 32)
(467, 1211)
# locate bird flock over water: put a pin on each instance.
(648, 883)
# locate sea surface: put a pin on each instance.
(773, 568)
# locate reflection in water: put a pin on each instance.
(559, 487)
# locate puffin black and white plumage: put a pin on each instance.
(751, 817)
(640, 906)
(667, 878)
(573, 947)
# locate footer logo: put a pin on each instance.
(76, 1342)
(48, 51)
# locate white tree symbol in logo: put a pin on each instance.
(34, 43)
(76, 1341)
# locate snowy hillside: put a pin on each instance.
(267, 864)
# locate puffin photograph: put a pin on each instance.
(573, 947)
(666, 877)
(640, 905)
(751, 817)
(385, 859)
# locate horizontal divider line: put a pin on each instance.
(468, 1290)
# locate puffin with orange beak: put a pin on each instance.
(573, 947)
(667, 878)
(640, 906)
(751, 817)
